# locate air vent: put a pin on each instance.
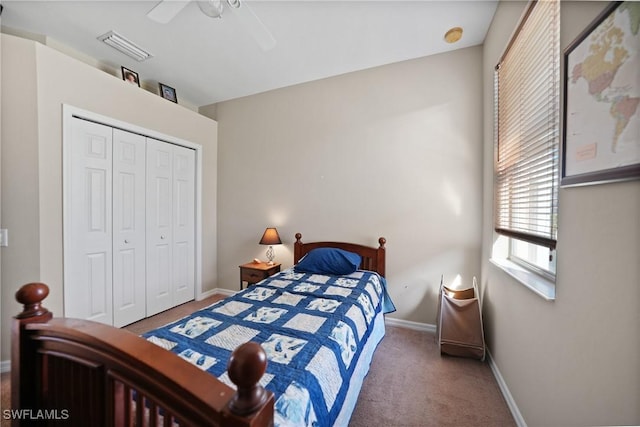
(125, 46)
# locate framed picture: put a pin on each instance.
(168, 92)
(130, 76)
(601, 138)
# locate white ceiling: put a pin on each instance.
(209, 60)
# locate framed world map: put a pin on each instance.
(601, 139)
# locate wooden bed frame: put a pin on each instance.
(79, 372)
(373, 259)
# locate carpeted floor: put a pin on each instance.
(5, 397)
(409, 384)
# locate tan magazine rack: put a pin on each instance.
(459, 323)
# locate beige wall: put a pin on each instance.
(19, 147)
(574, 361)
(148, 85)
(392, 151)
(36, 81)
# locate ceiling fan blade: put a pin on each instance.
(253, 24)
(166, 10)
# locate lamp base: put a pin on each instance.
(270, 255)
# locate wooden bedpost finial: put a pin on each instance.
(298, 237)
(31, 296)
(382, 241)
(246, 366)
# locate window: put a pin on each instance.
(527, 130)
(536, 258)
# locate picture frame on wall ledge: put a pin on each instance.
(601, 134)
(130, 76)
(167, 92)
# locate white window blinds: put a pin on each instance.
(527, 128)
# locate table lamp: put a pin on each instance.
(270, 237)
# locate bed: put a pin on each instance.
(290, 350)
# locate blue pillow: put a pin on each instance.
(329, 261)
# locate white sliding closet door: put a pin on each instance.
(129, 181)
(170, 225)
(88, 284)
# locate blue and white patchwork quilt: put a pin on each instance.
(312, 327)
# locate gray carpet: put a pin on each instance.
(409, 383)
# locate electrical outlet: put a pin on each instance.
(4, 237)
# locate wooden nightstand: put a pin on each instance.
(253, 272)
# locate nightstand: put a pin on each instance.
(253, 272)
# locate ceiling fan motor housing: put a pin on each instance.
(211, 8)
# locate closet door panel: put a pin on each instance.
(88, 220)
(183, 224)
(129, 247)
(159, 226)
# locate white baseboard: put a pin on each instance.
(423, 327)
(207, 294)
(5, 366)
(511, 403)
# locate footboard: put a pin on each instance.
(85, 373)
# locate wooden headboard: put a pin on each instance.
(373, 259)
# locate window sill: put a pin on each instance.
(539, 285)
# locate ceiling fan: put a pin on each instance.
(166, 10)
